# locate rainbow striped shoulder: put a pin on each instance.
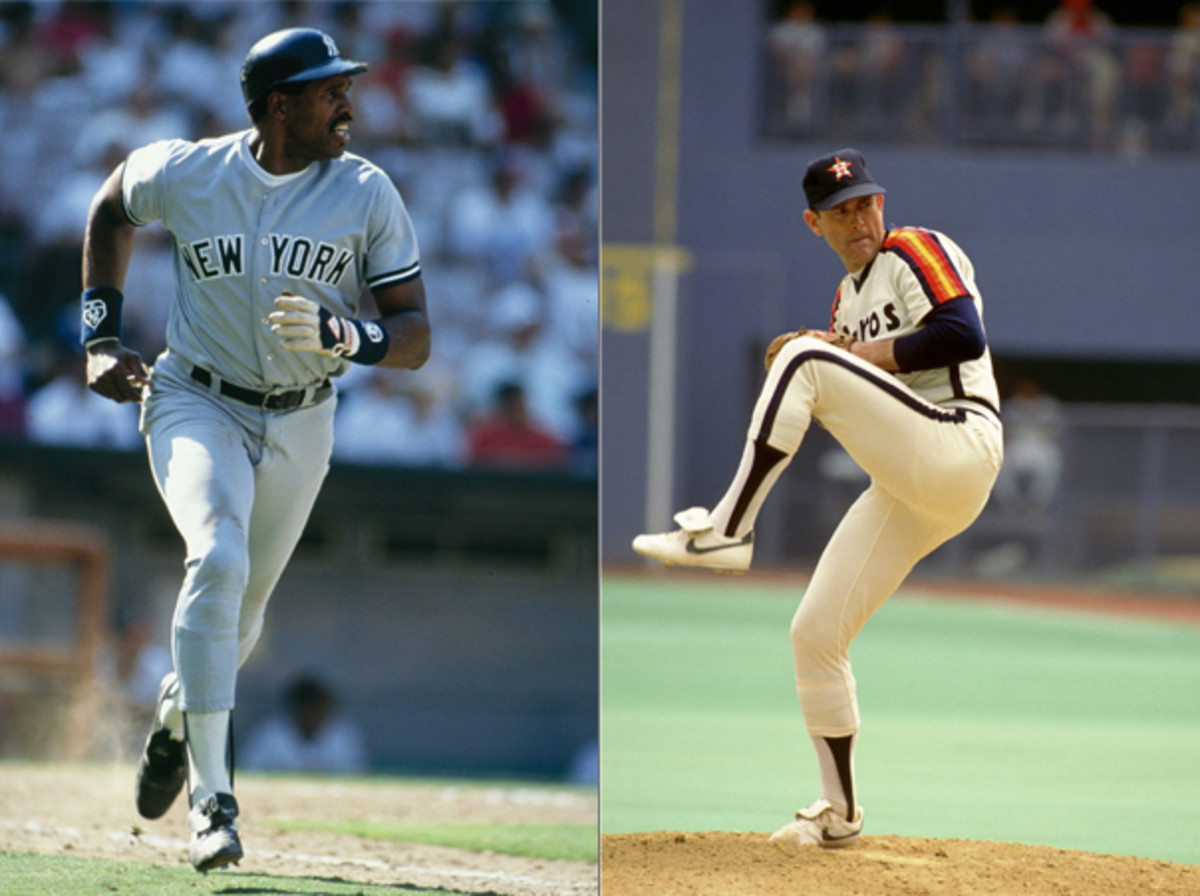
(923, 252)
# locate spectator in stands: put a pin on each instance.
(530, 69)
(1143, 99)
(796, 47)
(570, 276)
(1183, 73)
(528, 111)
(395, 419)
(503, 224)
(1078, 76)
(1033, 449)
(27, 64)
(108, 70)
(192, 50)
(307, 736)
(522, 349)
(508, 438)
(73, 27)
(450, 98)
(871, 73)
(535, 47)
(996, 69)
(382, 93)
(140, 120)
(577, 214)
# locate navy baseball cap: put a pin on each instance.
(291, 56)
(839, 176)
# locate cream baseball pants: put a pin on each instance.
(931, 469)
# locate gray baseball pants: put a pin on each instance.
(239, 483)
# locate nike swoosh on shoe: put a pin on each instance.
(741, 542)
(830, 838)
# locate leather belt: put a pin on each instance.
(278, 400)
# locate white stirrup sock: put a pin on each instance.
(208, 749)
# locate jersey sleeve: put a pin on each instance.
(952, 333)
(142, 183)
(929, 275)
(392, 253)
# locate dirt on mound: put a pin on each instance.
(87, 810)
(670, 863)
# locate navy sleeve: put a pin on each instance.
(950, 334)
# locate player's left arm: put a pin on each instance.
(950, 334)
(403, 316)
(399, 337)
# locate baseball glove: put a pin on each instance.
(841, 340)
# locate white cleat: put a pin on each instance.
(819, 825)
(695, 543)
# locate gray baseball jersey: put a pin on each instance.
(243, 236)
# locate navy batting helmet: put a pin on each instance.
(291, 56)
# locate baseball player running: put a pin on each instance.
(277, 231)
(903, 379)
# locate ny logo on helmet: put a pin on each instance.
(330, 46)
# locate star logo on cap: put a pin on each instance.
(840, 169)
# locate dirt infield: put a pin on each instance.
(85, 810)
(717, 864)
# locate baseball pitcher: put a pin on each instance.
(277, 232)
(903, 380)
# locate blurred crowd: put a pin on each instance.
(484, 114)
(1075, 79)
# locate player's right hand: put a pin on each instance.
(116, 372)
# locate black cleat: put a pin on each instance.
(215, 842)
(163, 767)
(161, 774)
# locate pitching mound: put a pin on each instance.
(87, 810)
(670, 863)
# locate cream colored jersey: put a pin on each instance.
(914, 272)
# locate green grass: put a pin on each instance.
(569, 842)
(30, 875)
(980, 721)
